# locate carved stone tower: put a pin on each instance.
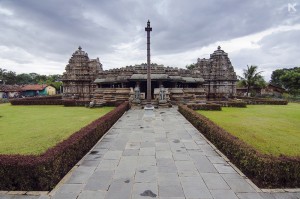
(81, 72)
(218, 73)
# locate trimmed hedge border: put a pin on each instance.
(269, 102)
(43, 172)
(57, 100)
(41, 100)
(207, 107)
(237, 104)
(76, 102)
(266, 171)
(263, 101)
(37, 102)
(232, 104)
(49, 100)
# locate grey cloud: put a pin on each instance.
(199, 24)
(54, 29)
(278, 50)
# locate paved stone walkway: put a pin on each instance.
(164, 158)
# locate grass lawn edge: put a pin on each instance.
(272, 130)
(266, 171)
(47, 169)
(31, 130)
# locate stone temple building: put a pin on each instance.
(218, 73)
(81, 72)
(212, 78)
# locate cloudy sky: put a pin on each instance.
(40, 36)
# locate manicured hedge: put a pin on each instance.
(237, 104)
(57, 100)
(207, 107)
(37, 102)
(232, 104)
(264, 101)
(40, 100)
(269, 102)
(76, 102)
(43, 172)
(265, 171)
(113, 103)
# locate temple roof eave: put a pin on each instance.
(193, 80)
(155, 77)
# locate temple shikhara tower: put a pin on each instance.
(218, 73)
(81, 72)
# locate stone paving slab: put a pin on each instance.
(164, 157)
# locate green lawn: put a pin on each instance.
(33, 129)
(269, 128)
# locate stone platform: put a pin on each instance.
(164, 157)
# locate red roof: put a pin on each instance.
(10, 88)
(34, 87)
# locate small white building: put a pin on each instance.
(10, 91)
(50, 90)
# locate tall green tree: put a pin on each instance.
(10, 77)
(24, 78)
(291, 81)
(191, 66)
(288, 78)
(2, 75)
(7, 77)
(275, 77)
(252, 78)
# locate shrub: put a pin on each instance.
(265, 170)
(232, 104)
(237, 104)
(43, 172)
(3, 100)
(113, 103)
(270, 102)
(39, 100)
(265, 101)
(207, 107)
(76, 102)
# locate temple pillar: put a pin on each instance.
(149, 106)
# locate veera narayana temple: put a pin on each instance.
(212, 78)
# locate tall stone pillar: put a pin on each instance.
(148, 29)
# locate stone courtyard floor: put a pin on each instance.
(164, 157)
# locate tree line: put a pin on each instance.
(12, 78)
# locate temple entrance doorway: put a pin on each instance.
(143, 88)
(154, 84)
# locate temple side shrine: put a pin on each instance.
(81, 72)
(218, 73)
(212, 78)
